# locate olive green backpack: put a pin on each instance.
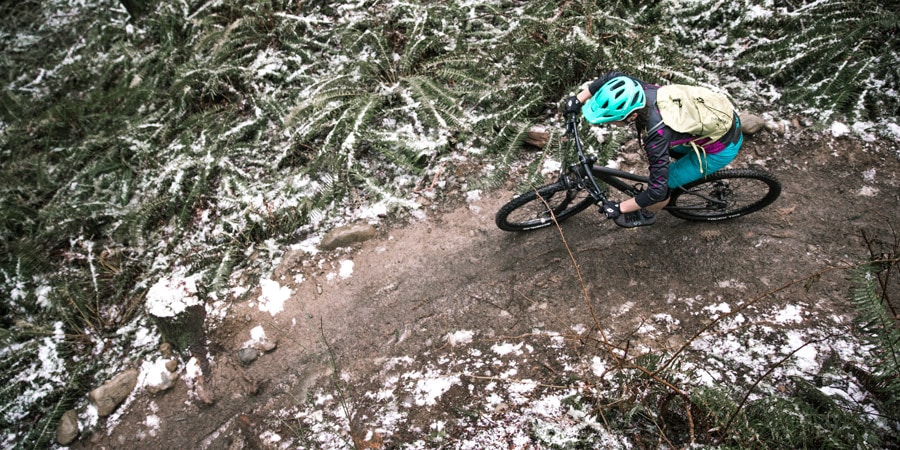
(695, 110)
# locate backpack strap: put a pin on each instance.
(698, 151)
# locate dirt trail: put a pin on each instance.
(415, 284)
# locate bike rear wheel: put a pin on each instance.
(537, 208)
(725, 194)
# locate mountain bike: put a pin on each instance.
(724, 194)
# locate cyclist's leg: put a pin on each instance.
(687, 169)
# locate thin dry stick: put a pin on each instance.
(690, 417)
(740, 406)
(587, 297)
(619, 362)
(336, 375)
(743, 307)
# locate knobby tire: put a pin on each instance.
(529, 210)
(725, 194)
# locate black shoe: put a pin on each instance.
(639, 218)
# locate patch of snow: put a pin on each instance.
(258, 338)
(550, 167)
(152, 423)
(270, 437)
(733, 284)
(893, 130)
(789, 314)
(310, 245)
(598, 366)
(192, 369)
(346, 268)
(373, 212)
(757, 12)
(273, 296)
(868, 191)
(839, 129)
(869, 175)
(865, 131)
(461, 337)
(171, 296)
(719, 308)
(507, 348)
(429, 387)
(154, 374)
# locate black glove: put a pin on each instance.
(572, 105)
(611, 210)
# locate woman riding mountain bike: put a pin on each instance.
(623, 100)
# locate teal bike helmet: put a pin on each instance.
(615, 100)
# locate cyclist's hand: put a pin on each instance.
(611, 210)
(572, 105)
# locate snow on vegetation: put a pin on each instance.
(43, 372)
(410, 395)
(250, 151)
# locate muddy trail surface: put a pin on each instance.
(447, 326)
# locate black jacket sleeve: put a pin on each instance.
(656, 146)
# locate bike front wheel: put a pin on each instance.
(539, 207)
(725, 194)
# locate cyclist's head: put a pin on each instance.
(615, 100)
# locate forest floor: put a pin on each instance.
(452, 333)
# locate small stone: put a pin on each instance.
(172, 365)
(203, 392)
(165, 349)
(67, 430)
(346, 236)
(247, 355)
(751, 124)
(775, 127)
(631, 146)
(632, 158)
(710, 235)
(267, 345)
(107, 397)
(160, 380)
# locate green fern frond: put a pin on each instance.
(809, 419)
(145, 216)
(442, 107)
(823, 54)
(881, 330)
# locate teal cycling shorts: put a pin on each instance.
(687, 168)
